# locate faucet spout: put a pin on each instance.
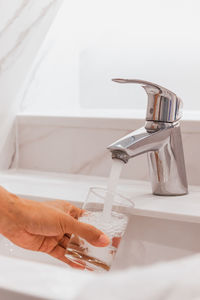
(139, 141)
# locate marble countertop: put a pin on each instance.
(74, 188)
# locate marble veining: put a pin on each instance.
(16, 15)
(13, 53)
(23, 26)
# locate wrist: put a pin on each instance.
(10, 208)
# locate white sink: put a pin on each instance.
(147, 240)
(6, 294)
(160, 229)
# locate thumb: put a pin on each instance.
(90, 233)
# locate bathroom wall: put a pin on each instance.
(23, 26)
(91, 42)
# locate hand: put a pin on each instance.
(45, 226)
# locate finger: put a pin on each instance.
(59, 253)
(68, 235)
(68, 208)
(65, 207)
(75, 212)
(90, 233)
(64, 241)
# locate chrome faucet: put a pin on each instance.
(160, 138)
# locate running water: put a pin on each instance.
(113, 180)
(112, 223)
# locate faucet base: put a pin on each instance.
(167, 166)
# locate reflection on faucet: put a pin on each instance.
(160, 139)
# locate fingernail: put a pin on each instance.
(102, 241)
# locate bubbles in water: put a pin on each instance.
(98, 258)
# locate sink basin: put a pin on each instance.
(151, 240)
(147, 240)
(160, 229)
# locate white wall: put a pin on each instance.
(92, 41)
(23, 25)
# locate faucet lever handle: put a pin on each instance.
(163, 105)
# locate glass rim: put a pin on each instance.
(94, 188)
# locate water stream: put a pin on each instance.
(113, 180)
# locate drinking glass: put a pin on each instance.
(114, 226)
